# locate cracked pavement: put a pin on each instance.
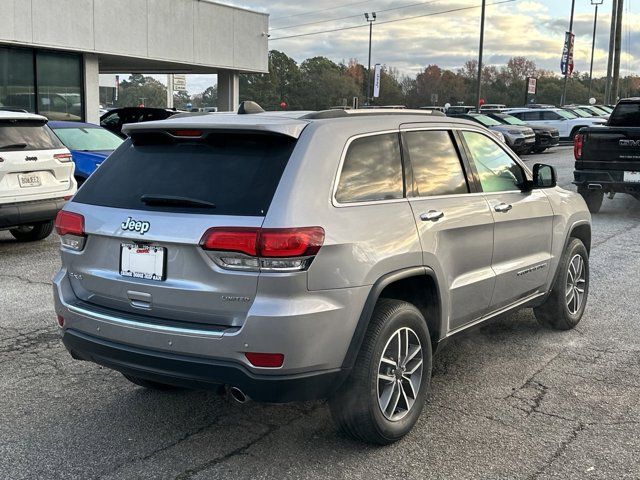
(508, 400)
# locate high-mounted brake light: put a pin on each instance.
(578, 142)
(186, 133)
(266, 249)
(62, 157)
(70, 227)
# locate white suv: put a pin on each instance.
(36, 175)
(566, 122)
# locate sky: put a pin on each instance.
(531, 28)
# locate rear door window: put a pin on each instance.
(372, 170)
(435, 163)
(626, 115)
(223, 174)
(27, 135)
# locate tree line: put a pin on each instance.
(318, 83)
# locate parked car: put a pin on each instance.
(566, 122)
(460, 109)
(608, 158)
(114, 119)
(595, 111)
(546, 137)
(319, 269)
(491, 107)
(36, 175)
(520, 138)
(89, 145)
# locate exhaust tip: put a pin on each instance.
(238, 395)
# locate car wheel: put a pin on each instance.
(539, 149)
(567, 300)
(32, 233)
(593, 199)
(382, 398)
(149, 384)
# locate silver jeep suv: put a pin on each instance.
(311, 255)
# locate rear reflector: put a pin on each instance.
(62, 157)
(69, 223)
(60, 320)
(265, 242)
(266, 360)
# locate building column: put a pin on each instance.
(228, 91)
(91, 84)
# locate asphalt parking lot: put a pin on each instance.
(509, 399)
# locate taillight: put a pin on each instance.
(266, 249)
(265, 360)
(62, 157)
(70, 227)
(578, 142)
(60, 319)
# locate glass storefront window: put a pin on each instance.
(59, 86)
(17, 89)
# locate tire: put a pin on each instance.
(539, 149)
(32, 233)
(149, 384)
(593, 199)
(574, 132)
(562, 310)
(357, 407)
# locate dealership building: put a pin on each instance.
(53, 51)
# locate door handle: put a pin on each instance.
(503, 207)
(431, 216)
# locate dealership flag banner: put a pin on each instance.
(376, 80)
(567, 54)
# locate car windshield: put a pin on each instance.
(90, 139)
(486, 121)
(566, 114)
(598, 110)
(582, 113)
(511, 120)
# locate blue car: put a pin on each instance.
(89, 145)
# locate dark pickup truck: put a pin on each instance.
(608, 157)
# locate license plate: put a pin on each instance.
(142, 261)
(29, 180)
(632, 177)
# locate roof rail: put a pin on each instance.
(12, 109)
(324, 114)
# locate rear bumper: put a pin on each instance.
(201, 373)
(605, 180)
(27, 213)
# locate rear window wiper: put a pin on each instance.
(172, 200)
(13, 145)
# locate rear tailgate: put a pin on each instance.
(33, 162)
(234, 177)
(611, 148)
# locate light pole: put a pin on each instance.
(481, 48)
(563, 100)
(593, 43)
(369, 18)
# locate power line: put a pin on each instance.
(453, 10)
(320, 10)
(353, 16)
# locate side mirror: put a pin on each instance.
(544, 176)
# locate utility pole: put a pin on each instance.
(615, 86)
(479, 86)
(169, 90)
(566, 72)
(369, 18)
(593, 43)
(612, 37)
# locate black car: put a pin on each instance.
(114, 119)
(546, 137)
(608, 157)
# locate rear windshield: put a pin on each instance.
(626, 115)
(23, 135)
(88, 139)
(223, 174)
